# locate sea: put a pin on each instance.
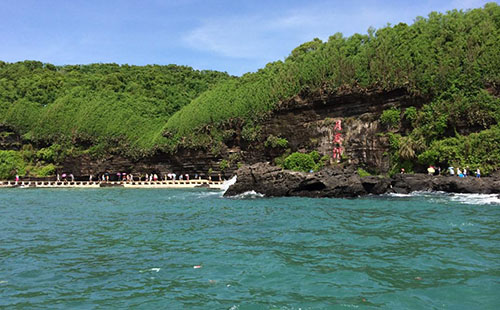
(115, 248)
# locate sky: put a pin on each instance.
(235, 36)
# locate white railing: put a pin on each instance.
(166, 184)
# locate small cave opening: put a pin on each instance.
(315, 186)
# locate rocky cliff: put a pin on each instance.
(313, 120)
(307, 121)
(344, 182)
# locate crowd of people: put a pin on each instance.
(462, 173)
(129, 177)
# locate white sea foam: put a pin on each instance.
(476, 199)
(398, 195)
(249, 195)
(206, 194)
(229, 183)
(155, 269)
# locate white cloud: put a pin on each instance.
(271, 36)
(254, 37)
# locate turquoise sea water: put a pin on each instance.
(136, 249)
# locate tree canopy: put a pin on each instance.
(97, 103)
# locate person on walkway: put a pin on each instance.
(58, 178)
(478, 173)
(451, 170)
(430, 170)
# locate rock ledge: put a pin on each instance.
(345, 182)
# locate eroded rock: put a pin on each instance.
(339, 182)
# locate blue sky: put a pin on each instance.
(236, 36)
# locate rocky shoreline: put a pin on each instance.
(344, 182)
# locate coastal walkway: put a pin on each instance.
(219, 185)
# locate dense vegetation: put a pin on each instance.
(103, 105)
(458, 129)
(451, 60)
(444, 52)
(447, 59)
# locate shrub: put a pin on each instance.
(363, 173)
(43, 171)
(233, 158)
(47, 170)
(223, 165)
(11, 163)
(304, 162)
(273, 141)
(53, 153)
(299, 162)
(411, 114)
(390, 118)
(315, 156)
(251, 132)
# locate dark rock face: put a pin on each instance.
(273, 181)
(183, 162)
(306, 121)
(344, 182)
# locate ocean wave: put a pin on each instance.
(398, 195)
(248, 195)
(475, 199)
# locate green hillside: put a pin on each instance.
(99, 105)
(450, 59)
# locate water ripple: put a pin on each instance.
(118, 248)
